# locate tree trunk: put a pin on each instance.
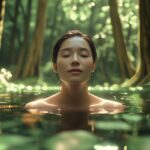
(91, 20)
(13, 34)
(2, 12)
(53, 28)
(33, 61)
(142, 74)
(126, 70)
(23, 50)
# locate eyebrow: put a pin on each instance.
(84, 49)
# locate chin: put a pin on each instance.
(77, 81)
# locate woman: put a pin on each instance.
(74, 60)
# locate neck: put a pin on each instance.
(73, 95)
(74, 98)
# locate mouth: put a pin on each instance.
(75, 71)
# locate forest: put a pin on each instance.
(120, 30)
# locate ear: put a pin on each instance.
(55, 68)
(94, 67)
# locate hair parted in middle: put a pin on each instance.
(70, 34)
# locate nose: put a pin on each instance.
(75, 60)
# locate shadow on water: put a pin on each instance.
(130, 129)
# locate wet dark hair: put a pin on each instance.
(68, 35)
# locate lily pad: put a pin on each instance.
(132, 117)
(112, 125)
(139, 143)
(72, 140)
(8, 141)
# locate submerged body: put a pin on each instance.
(53, 104)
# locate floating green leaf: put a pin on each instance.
(8, 141)
(139, 143)
(72, 140)
(132, 117)
(112, 125)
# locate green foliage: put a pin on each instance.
(35, 85)
(91, 17)
(5, 75)
(128, 11)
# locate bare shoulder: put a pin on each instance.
(42, 104)
(35, 104)
(99, 100)
(102, 105)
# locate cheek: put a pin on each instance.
(61, 65)
(88, 65)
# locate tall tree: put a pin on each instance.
(53, 26)
(91, 19)
(2, 12)
(24, 46)
(126, 69)
(142, 74)
(33, 59)
(13, 36)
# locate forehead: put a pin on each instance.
(75, 42)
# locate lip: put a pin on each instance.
(75, 70)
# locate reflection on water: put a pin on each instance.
(112, 132)
(9, 106)
(106, 147)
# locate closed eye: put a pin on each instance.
(66, 55)
(84, 55)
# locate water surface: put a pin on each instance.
(117, 131)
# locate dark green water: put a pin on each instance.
(128, 130)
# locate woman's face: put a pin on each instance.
(74, 61)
